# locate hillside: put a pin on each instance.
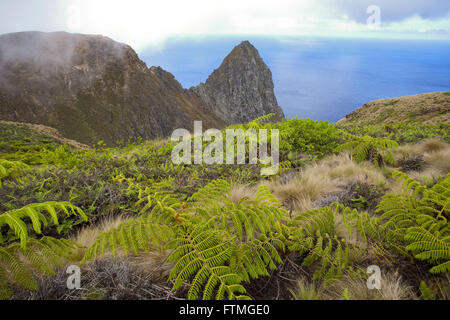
(10, 130)
(335, 203)
(429, 108)
(92, 88)
(134, 222)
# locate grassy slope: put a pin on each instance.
(429, 108)
(88, 179)
(37, 131)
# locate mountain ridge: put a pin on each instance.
(93, 88)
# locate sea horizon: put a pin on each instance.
(318, 77)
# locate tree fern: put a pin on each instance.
(202, 254)
(419, 217)
(132, 236)
(18, 263)
(217, 243)
(316, 240)
(252, 259)
(433, 247)
(38, 214)
(371, 149)
(247, 217)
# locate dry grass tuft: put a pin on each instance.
(306, 290)
(435, 157)
(406, 150)
(433, 145)
(365, 172)
(239, 192)
(392, 288)
(439, 160)
(87, 235)
(299, 192)
(427, 177)
(322, 178)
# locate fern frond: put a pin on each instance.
(38, 214)
(201, 254)
(418, 217)
(370, 149)
(19, 263)
(134, 235)
(432, 247)
(11, 169)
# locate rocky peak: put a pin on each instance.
(92, 88)
(241, 89)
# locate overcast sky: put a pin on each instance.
(146, 23)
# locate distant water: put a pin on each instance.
(323, 79)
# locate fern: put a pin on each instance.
(256, 124)
(217, 244)
(247, 219)
(202, 253)
(370, 149)
(426, 292)
(132, 236)
(255, 258)
(18, 263)
(419, 217)
(38, 213)
(316, 240)
(11, 169)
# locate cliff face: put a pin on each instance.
(241, 89)
(92, 88)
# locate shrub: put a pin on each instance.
(315, 138)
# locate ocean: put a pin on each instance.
(319, 78)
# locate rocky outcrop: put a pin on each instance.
(241, 89)
(92, 88)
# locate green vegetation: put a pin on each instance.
(339, 205)
(423, 109)
(371, 149)
(385, 114)
(418, 216)
(403, 133)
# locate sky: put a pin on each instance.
(145, 24)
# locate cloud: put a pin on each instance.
(143, 23)
(391, 10)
